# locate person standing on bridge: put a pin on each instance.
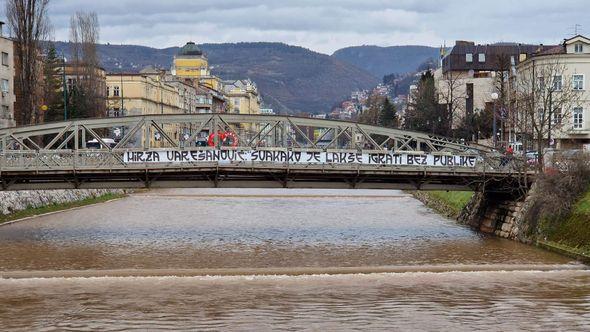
(507, 156)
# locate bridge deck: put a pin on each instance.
(259, 176)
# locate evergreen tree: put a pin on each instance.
(424, 113)
(387, 115)
(476, 125)
(53, 86)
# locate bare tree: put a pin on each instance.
(30, 27)
(452, 94)
(88, 97)
(544, 95)
(502, 74)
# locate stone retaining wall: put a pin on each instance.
(502, 215)
(14, 201)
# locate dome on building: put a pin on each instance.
(190, 49)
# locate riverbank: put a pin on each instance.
(570, 237)
(574, 231)
(86, 198)
(448, 203)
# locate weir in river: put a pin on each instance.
(278, 259)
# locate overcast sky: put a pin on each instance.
(326, 25)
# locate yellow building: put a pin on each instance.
(243, 96)
(142, 94)
(191, 63)
(243, 99)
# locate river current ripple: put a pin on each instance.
(278, 260)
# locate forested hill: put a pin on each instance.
(291, 79)
(381, 61)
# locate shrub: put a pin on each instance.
(559, 188)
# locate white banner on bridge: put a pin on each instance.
(299, 157)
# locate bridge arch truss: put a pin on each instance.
(56, 155)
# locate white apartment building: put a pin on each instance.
(572, 131)
(468, 78)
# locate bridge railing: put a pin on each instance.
(104, 160)
(244, 131)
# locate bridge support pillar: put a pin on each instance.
(501, 214)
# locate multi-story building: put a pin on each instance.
(6, 81)
(141, 94)
(91, 78)
(191, 63)
(243, 96)
(569, 64)
(468, 76)
(131, 94)
(267, 111)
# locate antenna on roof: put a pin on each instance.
(576, 29)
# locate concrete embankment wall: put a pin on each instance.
(500, 214)
(14, 201)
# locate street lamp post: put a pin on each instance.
(495, 125)
(121, 90)
(65, 87)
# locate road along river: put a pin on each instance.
(278, 259)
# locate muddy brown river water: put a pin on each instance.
(278, 260)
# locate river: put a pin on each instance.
(278, 260)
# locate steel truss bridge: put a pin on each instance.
(59, 155)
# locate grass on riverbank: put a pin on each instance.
(574, 231)
(447, 203)
(30, 212)
(455, 201)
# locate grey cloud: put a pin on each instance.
(324, 25)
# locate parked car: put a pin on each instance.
(95, 144)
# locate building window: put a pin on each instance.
(557, 116)
(5, 59)
(481, 57)
(469, 57)
(557, 83)
(578, 81)
(578, 118)
(5, 85)
(541, 83)
(108, 91)
(116, 91)
(6, 113)
(579, 48)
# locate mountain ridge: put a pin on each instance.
(386, 60)
(291, 79)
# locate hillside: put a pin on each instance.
(291, 79)
(381, 61)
